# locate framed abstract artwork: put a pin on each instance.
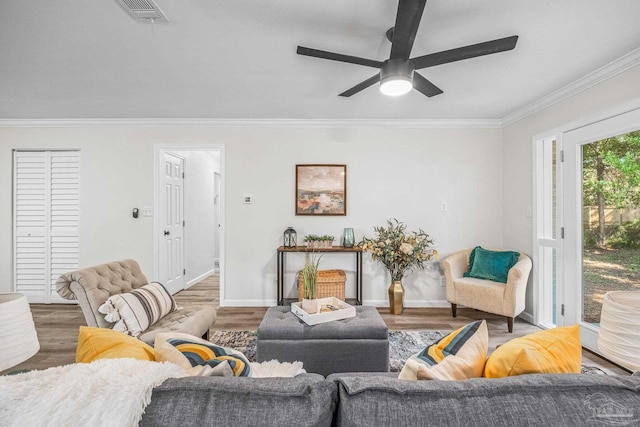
(321, 189)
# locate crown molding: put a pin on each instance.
(251, 123)
(606, 72)
(626, 62)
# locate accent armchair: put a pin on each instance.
(504, 299)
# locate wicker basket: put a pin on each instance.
(330, 284)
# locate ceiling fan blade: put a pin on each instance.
(466, 52)
(338, 57)
(424, 86)
(361, 86)
(404, 32)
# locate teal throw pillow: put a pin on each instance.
(491, 265)
(472, 257)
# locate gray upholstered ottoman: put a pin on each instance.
(356, 344)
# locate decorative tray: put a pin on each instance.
(342, 311)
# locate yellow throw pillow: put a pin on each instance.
(458, 356)
(102, 343)
(551, 351)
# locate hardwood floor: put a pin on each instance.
(57, 325)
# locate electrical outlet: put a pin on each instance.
(248, 199)
(443, 206)
(147, 211)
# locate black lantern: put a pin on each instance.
(290, 238)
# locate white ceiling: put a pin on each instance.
(236, 59)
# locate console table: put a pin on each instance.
(282, 251)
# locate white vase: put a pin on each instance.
(310, 305)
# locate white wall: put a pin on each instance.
(401, 173)
(199, 213)
(593, 104)
(390, 173)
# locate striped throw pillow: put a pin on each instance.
(458, 356)
(134, 312)
(192, 353)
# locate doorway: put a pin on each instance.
(191, 211)
(602, 197)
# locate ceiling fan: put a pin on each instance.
(397, 74)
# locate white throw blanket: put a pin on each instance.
(108, 392)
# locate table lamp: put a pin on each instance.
(17, 331)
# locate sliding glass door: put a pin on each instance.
(601, 218)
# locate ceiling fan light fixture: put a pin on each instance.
(396, 77)
(396, 85)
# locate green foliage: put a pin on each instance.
(612, 167)
(611, 177)
(590, 237)
(625, 236)
(316, 238)
(310, 277)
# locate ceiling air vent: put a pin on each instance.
(143, 10)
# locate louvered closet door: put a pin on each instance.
(46, 221)
(30, 195)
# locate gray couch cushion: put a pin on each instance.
(536, 400)
(337, 376)
(305, 400)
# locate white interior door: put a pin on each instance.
(46, 203)
(171, 219)
(216, 219)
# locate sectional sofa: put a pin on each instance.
(380, 399)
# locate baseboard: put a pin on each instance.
(199, 278)
(249, 303)
(526, 317)
(410, 304)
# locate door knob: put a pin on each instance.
(166, 232)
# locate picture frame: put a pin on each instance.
(321, 190)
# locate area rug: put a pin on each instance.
(402, 344)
